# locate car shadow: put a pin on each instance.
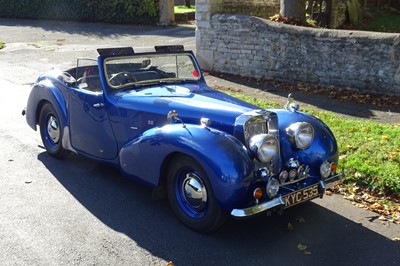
(126, 207)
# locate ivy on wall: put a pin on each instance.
(111, 11)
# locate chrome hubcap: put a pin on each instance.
(53, 130)
(194, 191)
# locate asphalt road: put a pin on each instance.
(77, 212)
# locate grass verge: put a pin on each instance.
(1, 45)
(184, 9)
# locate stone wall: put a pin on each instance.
(254, 47)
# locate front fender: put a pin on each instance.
(323, 148)
(45, 91)
(225, 159)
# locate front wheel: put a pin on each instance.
(51, 131)
(191, 196)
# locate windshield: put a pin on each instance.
(122, 72)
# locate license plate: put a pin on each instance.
(301, 195)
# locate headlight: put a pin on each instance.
(301, 134)
(264, 146)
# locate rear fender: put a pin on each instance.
(225, 159)
(42, 92)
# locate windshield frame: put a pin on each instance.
(108, 75)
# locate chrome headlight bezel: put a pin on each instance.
(264, 147)
(301, 134)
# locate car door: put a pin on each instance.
(90, 128)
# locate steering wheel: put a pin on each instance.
(122, 78)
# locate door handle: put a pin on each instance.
(98, 105)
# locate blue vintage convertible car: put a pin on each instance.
(153, 116)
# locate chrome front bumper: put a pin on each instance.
(279, 203)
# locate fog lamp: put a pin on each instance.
(292, 174)
(325, 169)
(272, 187)
(302, 171)
(283, 176)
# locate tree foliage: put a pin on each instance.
(112, 11)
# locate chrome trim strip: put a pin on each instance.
(66, 140)
(241, 213)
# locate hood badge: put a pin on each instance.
(290, 105)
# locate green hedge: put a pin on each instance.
(112, 11)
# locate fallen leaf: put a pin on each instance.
(360, 205)
(290, 226)
(170, 263)
(306, 252)
(328, 192)
(301, 247)
(376, 206)
(300, 219)
(350, 197)
(382, 218)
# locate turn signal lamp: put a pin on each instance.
(258, 193)
(333, 167)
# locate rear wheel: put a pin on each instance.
(191, 196)
(51, 131)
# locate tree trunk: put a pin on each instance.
(293, 9)
(187, 3)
